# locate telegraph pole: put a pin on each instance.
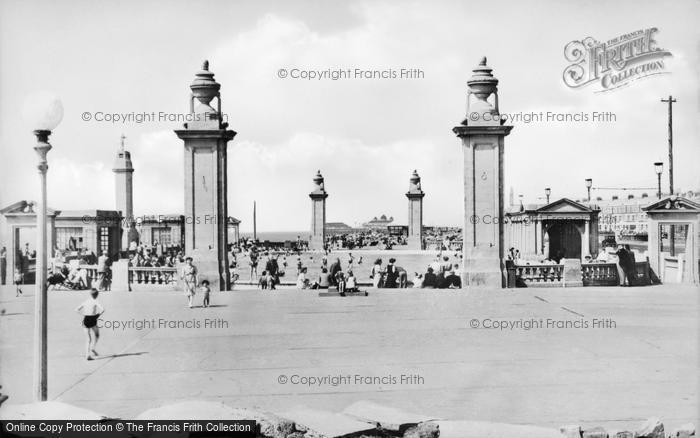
(670, 101)
(672, 231)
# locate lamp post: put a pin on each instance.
(547, 192)
(45, 112)
(589, 184)
(659, 169)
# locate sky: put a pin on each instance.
(365, 135)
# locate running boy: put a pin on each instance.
(91, 310)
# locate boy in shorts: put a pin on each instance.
(91, 310)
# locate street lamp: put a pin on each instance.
(547, 192)
(589, 184)
(44, 111)
(659, 169)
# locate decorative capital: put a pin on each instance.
(204, 87)
(319, 187)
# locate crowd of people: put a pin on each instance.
(267, 268)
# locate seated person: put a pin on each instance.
(56, 279)
(351, 283)
(302, 281)
(452, 281)
(440, 280)
(324, 279)
(429, 279)
(77, 277)
(417, 280)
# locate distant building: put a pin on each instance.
(169, 230)
(162, 229)
(338, 228)
(378, 224)
(625, 216)
(234, 234)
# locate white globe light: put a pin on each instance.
(43, 110)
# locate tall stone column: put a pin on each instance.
(318, 213)
(586, 240)
(482, 133)
(206, 210)
(124, 191)
(415, 212)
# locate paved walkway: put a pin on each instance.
(646, 365)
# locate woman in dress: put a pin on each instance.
(377, 273)
(190, 278)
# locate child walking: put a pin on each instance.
(18, 279)
(205, 293)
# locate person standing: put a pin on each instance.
(253, 255)
(273, 268)
(190, 277)
(623, 260)
(376, 273)
(102, 271)
(3, 265)
(340, 282)
(205, 293)
(18, 279)
(91, 310)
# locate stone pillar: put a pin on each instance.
(482, 134)
(415, 212)
(206, 210)
(586, 240)
(120, 276)
(318, 214)
(124, 191)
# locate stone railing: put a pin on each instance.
(593, 274)
(163, 276)
(600, 274)
(535, 275)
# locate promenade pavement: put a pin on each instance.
(261, 349)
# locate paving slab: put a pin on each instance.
(612, 377)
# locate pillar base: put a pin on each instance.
(483, 269)
(573, 274)
(414, 242)
(316, 244)
(120, 276)
(207, 265)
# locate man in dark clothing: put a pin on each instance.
(273, 268)
(392, 274)
(452, 281)
(429, 279)
(626, 265)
